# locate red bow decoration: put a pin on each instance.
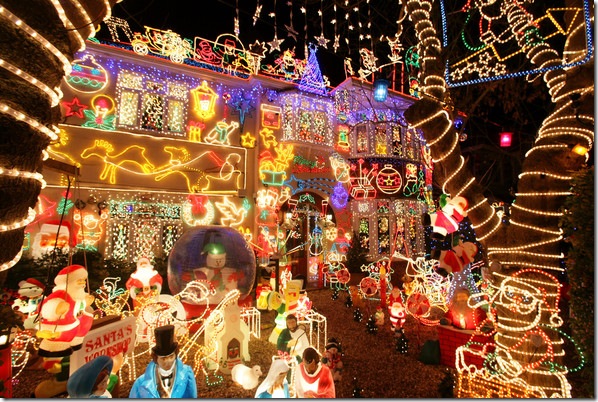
(284, 356)
(198, 204)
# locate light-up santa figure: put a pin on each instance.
(65, 320)
(524, 311)
(396, 309)
(144, 285)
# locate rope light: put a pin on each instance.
(18, 23)
(545, 194)
(479, 204)
(454, 174)
(553, 175)
(54, 95)
(536, 211)
(24, 174)
(536, 228)
(24, 118)
(11, 263)
(494, 229)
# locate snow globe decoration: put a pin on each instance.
(206, 263)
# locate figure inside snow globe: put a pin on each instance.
(215, 271)
(206, 263)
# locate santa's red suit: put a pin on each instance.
(63, 331)
(317, 385)
(144, 284)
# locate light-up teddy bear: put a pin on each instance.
(144, 285)
(30, 294)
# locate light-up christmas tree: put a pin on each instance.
(312, 80)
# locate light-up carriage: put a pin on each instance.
(164, 43)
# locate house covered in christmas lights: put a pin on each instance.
(162, 133)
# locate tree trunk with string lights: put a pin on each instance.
(39, 43)
(524, 252)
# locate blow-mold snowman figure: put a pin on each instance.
(221, 278)
(30, 294)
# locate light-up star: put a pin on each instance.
(258, 48)
(291, 31)
(74, 108)
(336, 44)
(257, 13)
(322, 41)
(275, 44)
(248, 140)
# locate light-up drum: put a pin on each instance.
(215, 258)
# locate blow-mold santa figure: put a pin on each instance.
(144, 284)
(65, 320)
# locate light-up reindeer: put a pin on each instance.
(133, 156)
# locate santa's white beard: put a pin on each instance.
(75, 292)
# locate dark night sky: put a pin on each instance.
(202, 18)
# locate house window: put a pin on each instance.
(158, 105)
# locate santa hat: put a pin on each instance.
(31, 281)
(70, 274)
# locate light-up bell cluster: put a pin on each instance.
(79, 26)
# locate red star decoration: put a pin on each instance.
(74, 108)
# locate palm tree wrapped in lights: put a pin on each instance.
(37, 49)
(529, 246)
